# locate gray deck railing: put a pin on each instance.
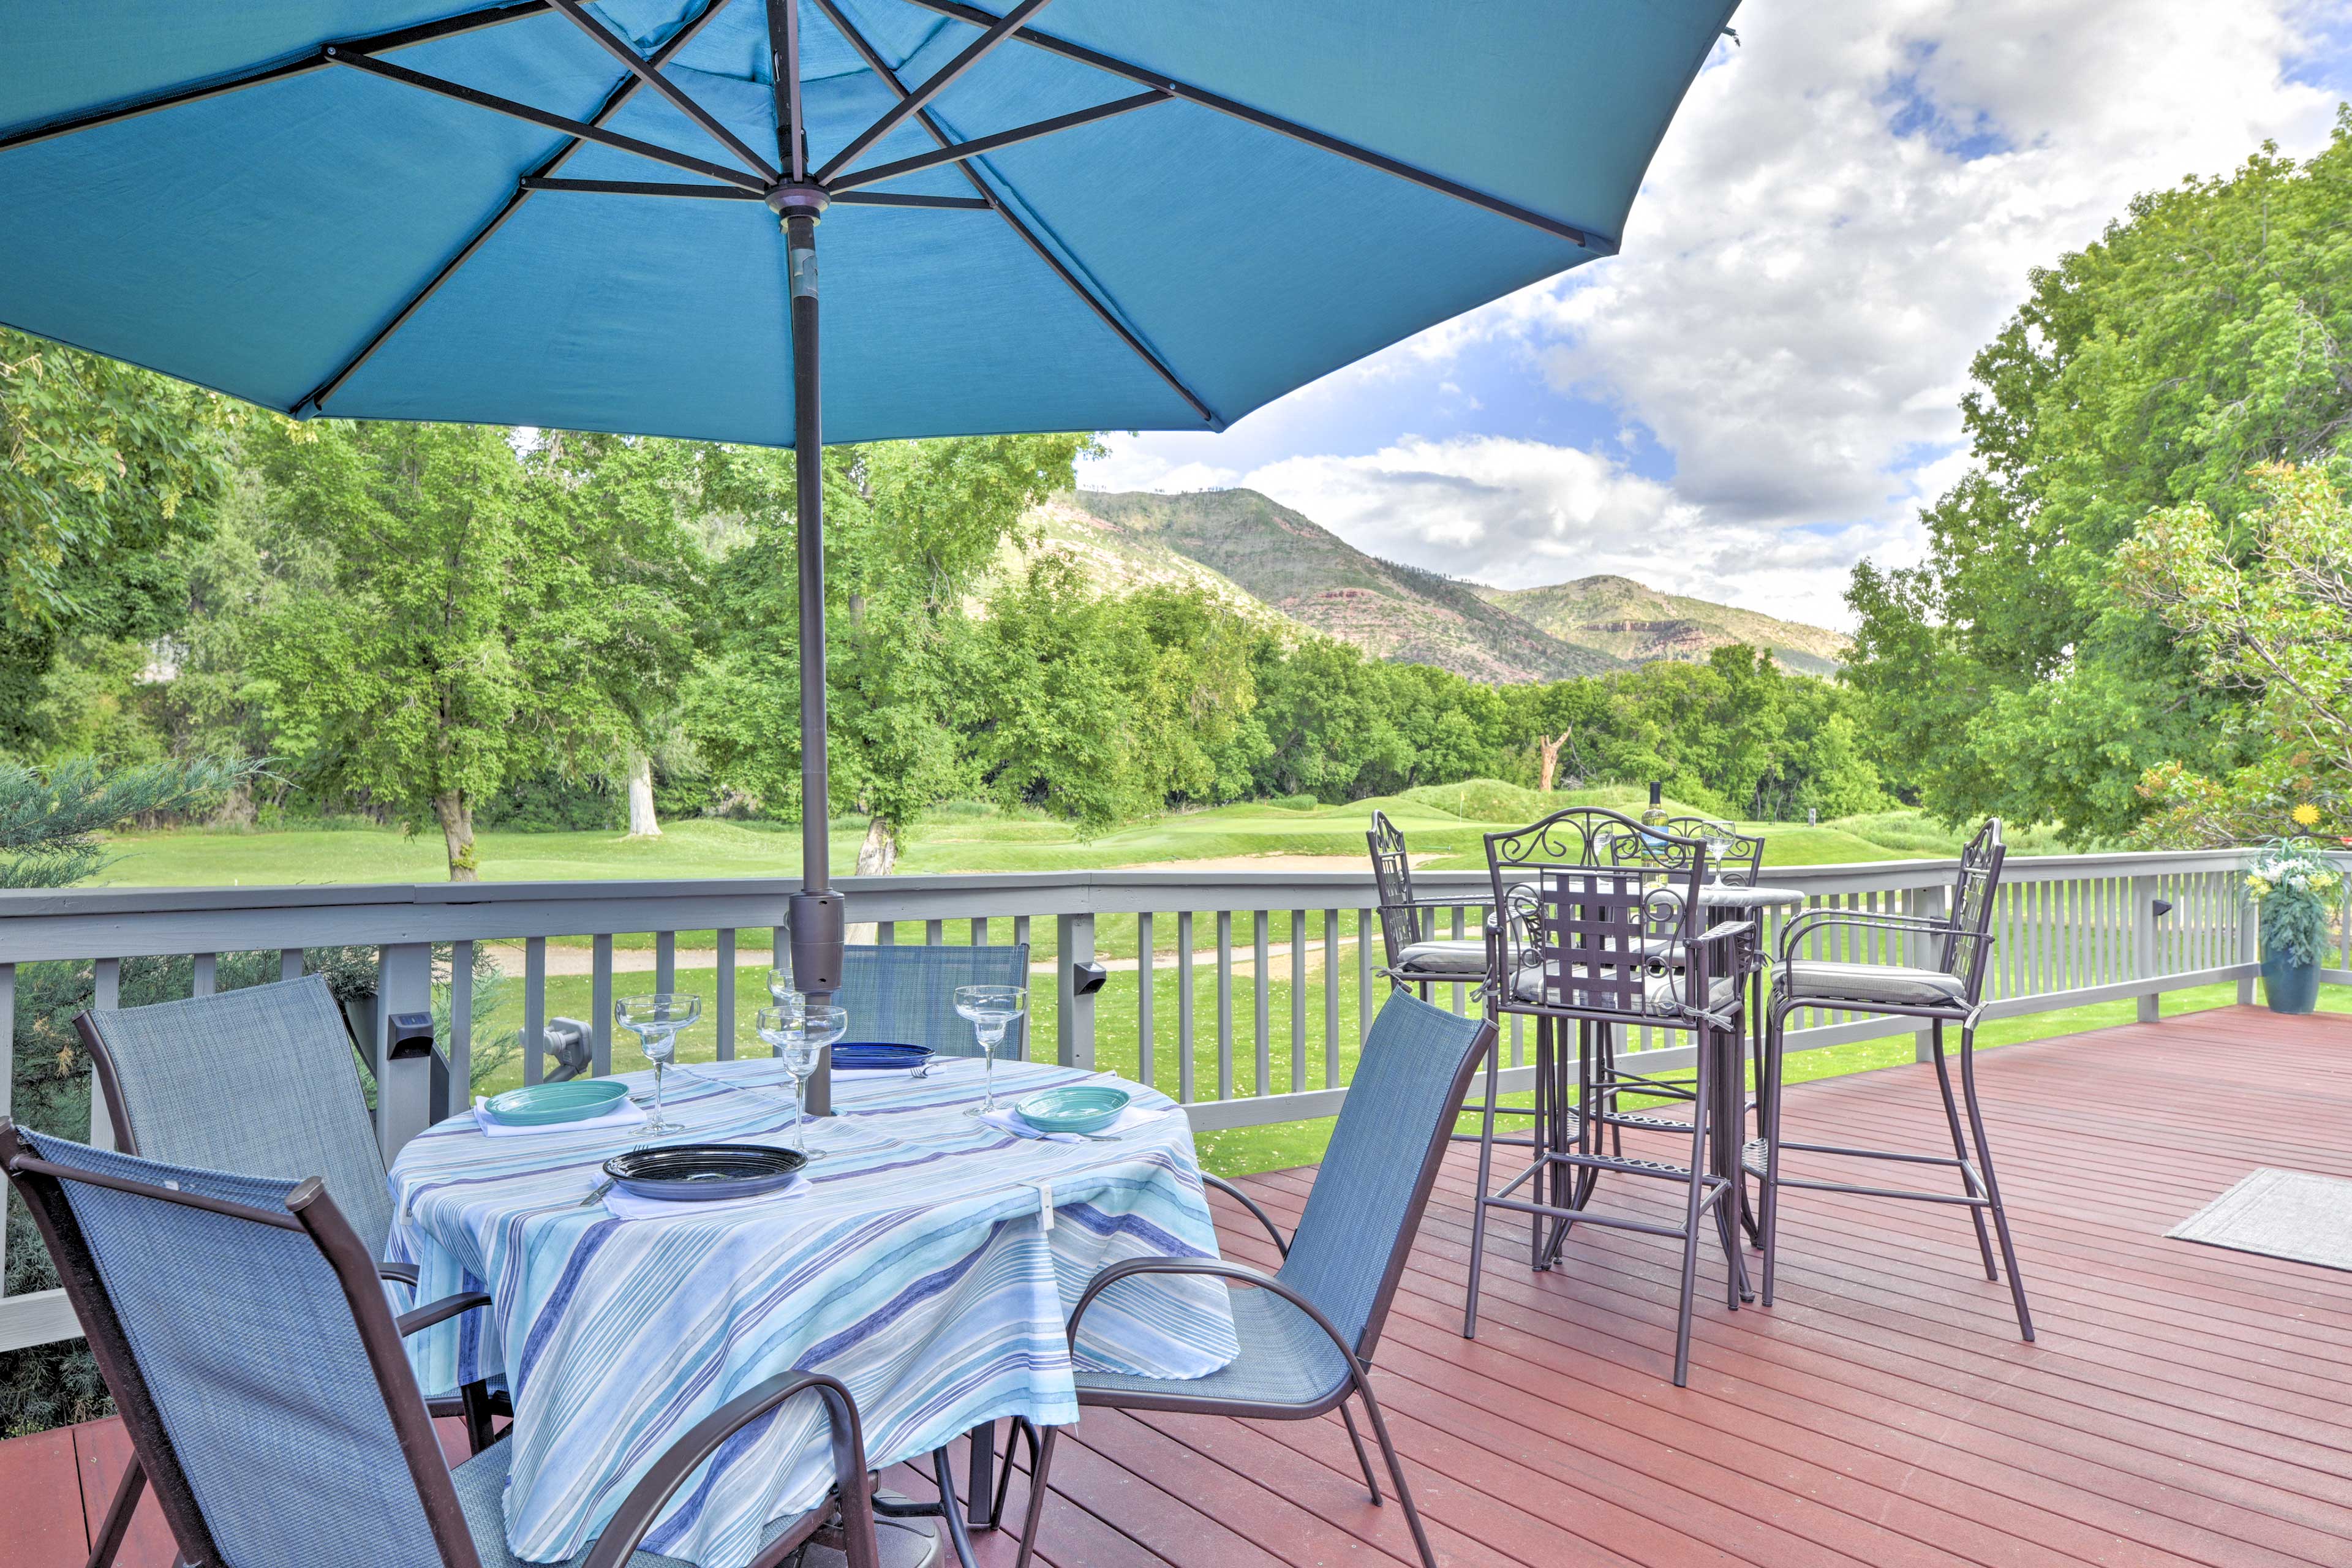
(1224, 948)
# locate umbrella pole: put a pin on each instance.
(817, 909)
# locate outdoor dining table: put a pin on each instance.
(929, 1260)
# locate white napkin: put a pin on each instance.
(625, 1114)
(1127, 1120)
(629, 1206)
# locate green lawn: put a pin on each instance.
(1446, 821)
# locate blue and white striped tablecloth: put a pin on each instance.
(913, 1267)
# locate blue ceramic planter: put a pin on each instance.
(2289, 986)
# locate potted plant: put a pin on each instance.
(2294, 887)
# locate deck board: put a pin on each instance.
(2184, 1405)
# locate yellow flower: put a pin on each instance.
(2305, 816)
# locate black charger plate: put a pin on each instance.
(704, 1173)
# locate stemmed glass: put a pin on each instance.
(992, 1009)
(656, 1019)
(796, 1034)
(779, 990)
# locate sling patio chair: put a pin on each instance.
(239, 1324)
(905, 995)
(1948, 989)
(1308, 1331)
(261, 1078)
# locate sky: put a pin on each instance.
(1764, 387)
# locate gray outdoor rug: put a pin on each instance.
(2279, 1214)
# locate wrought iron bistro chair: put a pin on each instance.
(1605, 942)
(1951, 992)
(907, 994)
(1308, 1331)
(1417, 956)
(239, 1324)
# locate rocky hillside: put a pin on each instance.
(1313, 576)
(1620, 616)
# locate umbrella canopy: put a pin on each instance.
(1075, 214)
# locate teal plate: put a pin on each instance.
(545, 1104)
(1082, 1107)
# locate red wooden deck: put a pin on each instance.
(2184, 1405)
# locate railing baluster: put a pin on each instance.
(665, 961)
(1261, 1060)
(1145, 976)
(600, 991)
(1330, 998)
(290, 964)
(461, 1023)
(1363, 976)
(935, 933)
(1183, 1007)
(1225, 1004)
(1459, 1001)
(7, 1084)
(206, 968)
(535, 1009)
(885, 933)
(1298, 944)
(724, 983)
(1020, 931)
(980, 930)
(105, 996)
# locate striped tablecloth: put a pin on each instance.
(913, 1267)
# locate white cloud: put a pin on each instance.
(1844, 211)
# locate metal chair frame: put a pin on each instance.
(1359, 1356)
(308, 1210)
(1405, 919)
(1964, 942)
(1602, 932)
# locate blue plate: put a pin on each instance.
(1081, 1108)
(545, 1104)
(704, 1173)
(870, 1055)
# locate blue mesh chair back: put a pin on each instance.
(1351, 1241)
(260, 1078)
(241, 1333)
(907, 994)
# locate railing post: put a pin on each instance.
(2144, 954)
(2249, 944)
(1933, 904)
(403, 1087)
(1075, 1018)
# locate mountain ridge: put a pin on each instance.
(1279, 566)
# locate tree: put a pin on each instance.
(488, 613)
(2277, 628)
(2208, 333)
(50, 818)
(101, 465)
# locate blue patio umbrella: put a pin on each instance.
(1077, 215)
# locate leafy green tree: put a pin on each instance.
(101, 465)
(489, 612)
(2208, 332)
(2277, 627)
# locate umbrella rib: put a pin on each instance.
(1586, 239)
(892, 199)
(620, 95)
(579, 129)
(995, 31)
(1103, 312)
(635, 65)
(957, 152)
(639, 188)
(316, 61)
(784, 70)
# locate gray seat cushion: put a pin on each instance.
(1284, 1360)
(1665, 991)
(1874, 982)
(481, 1483)
(1465, 959)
